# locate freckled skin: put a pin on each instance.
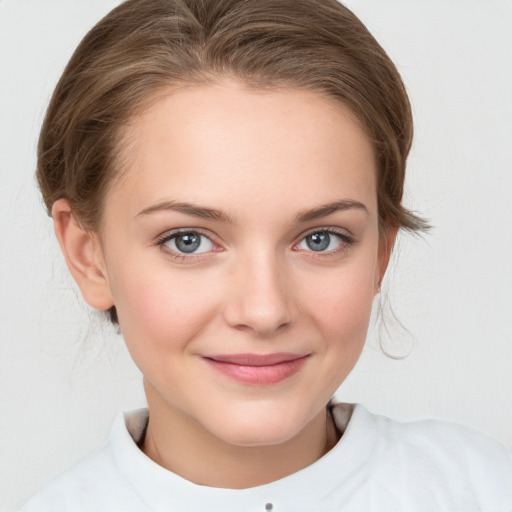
(261, 158)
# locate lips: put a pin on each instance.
(262, 369)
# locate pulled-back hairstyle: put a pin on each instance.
(143, 47)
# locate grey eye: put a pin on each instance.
(320, 241)
(190, 243)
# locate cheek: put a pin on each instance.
(341, 305)
(160, 309)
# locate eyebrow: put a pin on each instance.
(204, 212)
(329, 208)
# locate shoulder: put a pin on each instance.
(440, 458)
(95, 481)
(445, 443)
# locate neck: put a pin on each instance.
(180, 444)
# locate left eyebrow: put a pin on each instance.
(328, 209)
(218, 215)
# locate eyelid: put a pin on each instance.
(344, 235)
(326, 229)
(163, 238)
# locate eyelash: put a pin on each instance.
(167, 237)
(346, 242)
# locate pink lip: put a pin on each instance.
(257, 368)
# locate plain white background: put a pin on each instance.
(64, 374)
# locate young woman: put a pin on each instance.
(225, 179)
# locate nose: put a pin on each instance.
(260, 297)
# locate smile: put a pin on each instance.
(256, 368)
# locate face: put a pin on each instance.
(242, 253)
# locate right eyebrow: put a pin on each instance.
(202, 212)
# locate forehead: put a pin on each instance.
(227, 144)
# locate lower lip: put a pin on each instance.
(262, 375)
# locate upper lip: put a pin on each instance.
(256, 359)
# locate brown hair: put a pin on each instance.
(143, 46)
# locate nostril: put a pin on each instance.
(260, 299)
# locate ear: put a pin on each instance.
(386, 244)
(84, 256)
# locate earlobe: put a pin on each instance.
(83, 255)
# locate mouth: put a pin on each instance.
(262, 369)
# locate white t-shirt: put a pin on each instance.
(378, 465)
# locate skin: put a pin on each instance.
(261, 160)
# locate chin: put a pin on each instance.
(257, 435)
(259, 427)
